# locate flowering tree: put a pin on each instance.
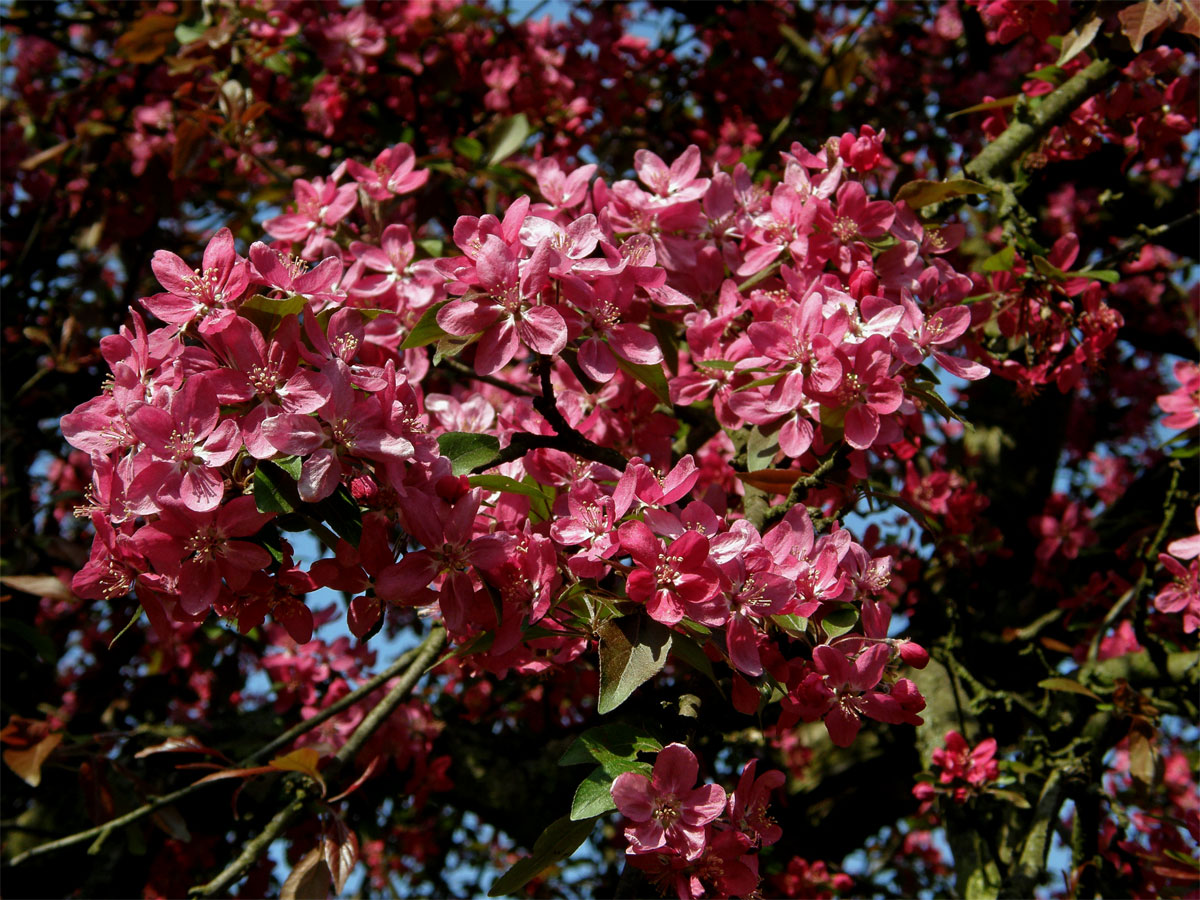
(529, 457)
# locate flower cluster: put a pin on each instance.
(964, 769)
(692, 839)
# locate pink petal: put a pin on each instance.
(542, 329)
(675, 770)
(631, 793)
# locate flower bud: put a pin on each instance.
(913, 654)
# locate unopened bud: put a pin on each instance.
(913, 654)
(450, 488)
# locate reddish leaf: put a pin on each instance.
(1142, 19)
(1142, 751)
(1190, 21)
(233, 773)
(339, 846)
(189, 137)
(358, 782)
(773, 481)
(303, 760)
(147, 39)
(1053, 644)
(1079, 39)
(309, 880)
(28, 763)
(186, 744)
(39, 585)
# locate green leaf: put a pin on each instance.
(561, 838)
(186, 34)
(267, 312)
(760, 382)
(838, 622)
(290, 464)
(1049, 74)
(1002, 261)
(274, 489)
(468, 147)
(1002, 103)
(633, 650)
(651, 376)
(1068, 685)
(278, 64)
(506, 485)
(1017, 800)
(340, 511)
(725, 365)
(604, 741)
(467, 451)
(1108, 276)
(432, 246)
(593, 797)
(427, 330)
(1046, 268)
(668, 342)
(921, 193)
(796, 626)
(933, 399)
(508, 137)
(693, 654)
(761, 449)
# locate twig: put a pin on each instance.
(450, 362)
(565, 438)
(1022, 132)
(1145, 233)
(425, 655)
(251, 852)
(256, 846)
(333, 709)
(167, 799)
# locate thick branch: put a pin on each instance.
(254, 848)
(1023, 132)
(425, 656)
(100, 831)
(565, 438)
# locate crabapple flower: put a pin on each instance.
(748, 804)
(667, 809)
(201, 548)
(671, 582)
(961, 763)
(1183, 593)
(187, 445)
(504, 311)
(203, 295)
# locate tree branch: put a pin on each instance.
(256, 846)
(425, 655)
(565, 438)
(1021, 134)
(103, 830)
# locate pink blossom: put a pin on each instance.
(673, 582)
(206, 295)
(187, 443)
(666, 809)
(748, 804)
